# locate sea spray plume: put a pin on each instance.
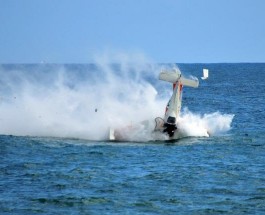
(84, 101)
(54, 100)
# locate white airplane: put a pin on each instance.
(168, 124)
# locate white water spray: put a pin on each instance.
(53, 101)
(191, 124)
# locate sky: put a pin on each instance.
(166, 31)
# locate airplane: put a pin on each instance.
(168, 124)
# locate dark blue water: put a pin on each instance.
(195, 175)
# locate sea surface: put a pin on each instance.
(55, 159)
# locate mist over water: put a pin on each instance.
(84, 101)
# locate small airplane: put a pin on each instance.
(168, 124)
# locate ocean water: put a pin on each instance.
(55, 156)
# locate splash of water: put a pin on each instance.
(52, 100)
(84, 102)
(213, 124)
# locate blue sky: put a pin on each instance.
(167, 31)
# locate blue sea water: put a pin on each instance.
(54, 168)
